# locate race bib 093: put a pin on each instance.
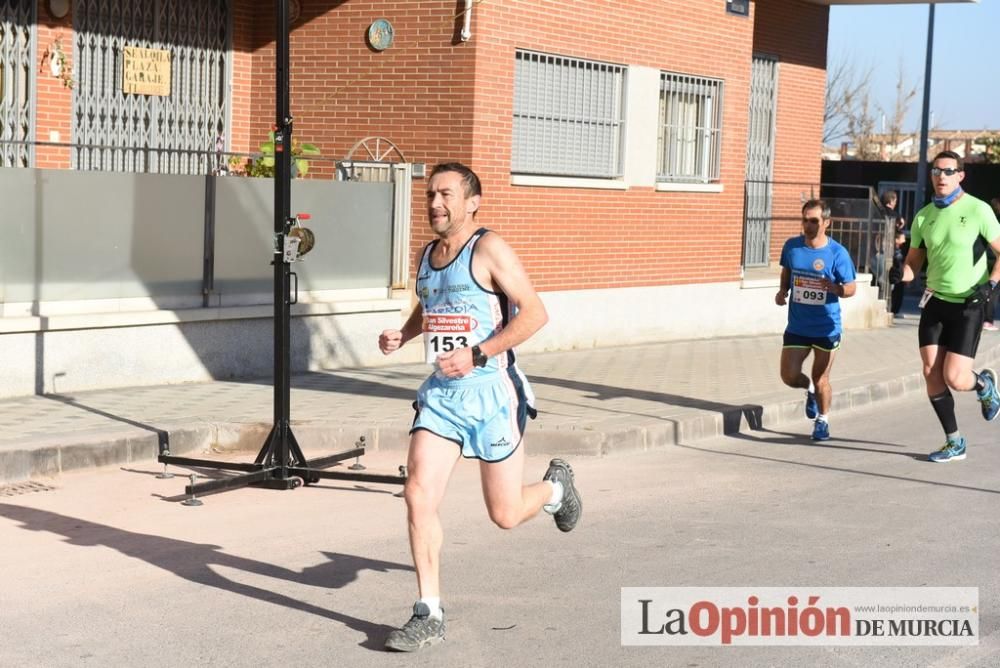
(808, 290)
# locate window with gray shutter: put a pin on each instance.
(568, 116)
(690, 128)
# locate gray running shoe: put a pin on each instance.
(421, 631)
(571, 507)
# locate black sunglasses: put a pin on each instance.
(814, 221)
(947, 171)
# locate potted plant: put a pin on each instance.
(263, 165)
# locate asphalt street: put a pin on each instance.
(107, 568)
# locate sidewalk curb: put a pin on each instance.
(750, 417)
(236, 439)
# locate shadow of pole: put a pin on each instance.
(162, 435)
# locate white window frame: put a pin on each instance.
(689, 136)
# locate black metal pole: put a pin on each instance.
(208, 249)
(280, 464)
(282, 211)
(924, 117)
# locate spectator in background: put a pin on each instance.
(896, 273)
(889, 201)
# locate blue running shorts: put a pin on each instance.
(486, 415)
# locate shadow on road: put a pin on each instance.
(195, 562)
(839, 469)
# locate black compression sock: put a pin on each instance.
(944, 406)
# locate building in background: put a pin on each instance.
(642, 158)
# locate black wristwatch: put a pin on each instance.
(479, 358)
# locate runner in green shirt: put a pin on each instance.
(951, 234)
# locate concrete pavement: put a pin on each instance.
(603, 401)
(104, 568)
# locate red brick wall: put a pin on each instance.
(418, 93)
(54, 98)
(441, 99)
(241, 127)
(576, 238)
(795, 31)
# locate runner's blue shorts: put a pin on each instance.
(485, 415)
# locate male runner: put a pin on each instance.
(951, 234)
(476, 304)
(819, 273)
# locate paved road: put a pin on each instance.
(104, 569)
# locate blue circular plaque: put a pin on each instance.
(380, 34)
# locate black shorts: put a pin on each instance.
(825, 343)
(956, 327)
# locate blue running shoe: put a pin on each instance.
(821, 431)
(952, 451)
(989, 397)
(812, 406)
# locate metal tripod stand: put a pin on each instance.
(280, 464)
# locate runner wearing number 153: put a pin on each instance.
(816, 273)
(476, 304)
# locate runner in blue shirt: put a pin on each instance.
(817, 272)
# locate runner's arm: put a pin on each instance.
(414, 324)
(995, 274)
(845, 290)
(391, 340)
(783, 285)
(508, 275)
(914, 261)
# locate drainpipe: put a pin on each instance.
(466, 33)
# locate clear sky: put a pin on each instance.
(965, 75)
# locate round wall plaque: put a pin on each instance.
(380, 34)
(58, 8)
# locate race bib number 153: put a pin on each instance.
(444, 333)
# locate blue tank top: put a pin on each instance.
(458, 312)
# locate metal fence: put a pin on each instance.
(126, 202)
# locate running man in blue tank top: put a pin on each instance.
(817, 272)
(475, 305)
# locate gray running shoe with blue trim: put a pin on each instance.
(571, 507)
(421, 631)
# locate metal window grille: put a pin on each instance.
(568, 116)
(690, 128)
(17, 41)
(146, 133)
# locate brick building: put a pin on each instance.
(615, 140)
